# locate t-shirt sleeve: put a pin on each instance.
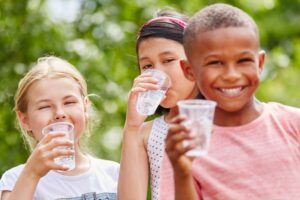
(9, 178)
(289, 118)
(110, 168)
(115, 168)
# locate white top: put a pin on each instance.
(101, 177)
(155, 150)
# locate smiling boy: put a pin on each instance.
(254, 151)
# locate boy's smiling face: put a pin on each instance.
(226, 64)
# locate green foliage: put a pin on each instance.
(100, 42)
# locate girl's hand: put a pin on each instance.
(175, 149)
(141, 83)
(41, 160)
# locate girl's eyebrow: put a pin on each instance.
(47, 100)
(166, 53)
(143, 58)
(162, 53)
(42, 100)
(69, 96)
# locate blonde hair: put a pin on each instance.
(47, 68)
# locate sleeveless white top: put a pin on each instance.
(155, 150)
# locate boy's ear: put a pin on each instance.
(261, 61)
(187, 70)
(23, 119)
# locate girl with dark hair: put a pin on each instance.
(158, 46)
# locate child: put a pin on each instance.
(254, 151)
(54, 91)
(159, 46)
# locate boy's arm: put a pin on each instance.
(184, 187)
(182, 165)
(133, 178)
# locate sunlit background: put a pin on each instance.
(98, 37)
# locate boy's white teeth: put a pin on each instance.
(231, 91)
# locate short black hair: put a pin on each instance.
(216, 16)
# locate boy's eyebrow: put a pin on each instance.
(247, 52)
(217, 55)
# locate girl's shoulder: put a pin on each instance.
(147, 126)
(10, 177)
(154, 127)
(103, 162)
(15, 171)
(145, 131)
(105, 165)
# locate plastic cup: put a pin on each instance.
(68, 129)
(149, 100)
(200, 114)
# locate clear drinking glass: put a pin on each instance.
(200, 115)
(68, 129)
(149, 100)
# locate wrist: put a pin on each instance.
(180, 174)
(131, 128)
(30, 174)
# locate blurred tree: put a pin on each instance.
(25, 35)
(100, 42)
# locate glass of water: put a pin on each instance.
(149, 100)
(68, 129)
(200, 115)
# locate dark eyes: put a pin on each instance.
(146, 66)
(165, 61)
(168, 60)
(243, 60)
(70, 102)
(214, 62)
(218, 62)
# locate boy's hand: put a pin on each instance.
(41, 160)
(175, 149)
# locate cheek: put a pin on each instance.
(205, 82)
(180, 82)
(37, 121)
(79, 118)
(37, 125)
(177, 75)
(253, 76)
(203, 78)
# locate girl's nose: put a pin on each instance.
(60, 114)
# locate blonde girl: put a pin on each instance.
(54, 91)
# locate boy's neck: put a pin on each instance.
(247, 114)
